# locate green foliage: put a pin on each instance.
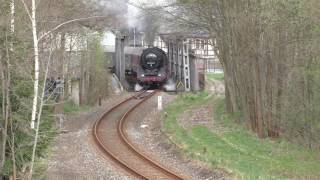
(22, 74)
(21, 91)
(304, 95)
(98, 69)
(236, 150)
(24, 139)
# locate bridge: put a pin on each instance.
(190, 57)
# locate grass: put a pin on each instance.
(70, 107)
(236, 150)
(215, 76)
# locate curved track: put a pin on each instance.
(111, 138)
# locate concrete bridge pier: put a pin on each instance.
(120, 59)
(179, 63)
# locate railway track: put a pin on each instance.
(112, 140)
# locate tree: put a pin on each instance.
(24, 59)
(265, 48)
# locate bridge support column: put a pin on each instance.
(120, 59)
(186, 66)
(179, 63)
(194, 74)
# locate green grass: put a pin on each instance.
(70, 107)
(215, 76)
(235, 149)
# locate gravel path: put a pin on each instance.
(73, 155)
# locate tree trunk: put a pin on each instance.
(36, 65)
(269, 105)
(36, 80)
(5, 123)
(67, 81)
(61, 62)
(13, 152)
(258, 103)
(42, 100)
(12, 29)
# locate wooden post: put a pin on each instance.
(100, 100)
(159, 103)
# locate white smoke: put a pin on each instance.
(170, 85)
(135, 13)
(137, 87)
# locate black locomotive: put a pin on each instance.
(150, 69)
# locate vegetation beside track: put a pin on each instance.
(24, 150)
(215, 76)
(234, 148)
(70, 107)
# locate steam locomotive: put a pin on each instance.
(149, 70)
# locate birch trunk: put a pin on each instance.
(36, 84)
(12, 29)
(42, 100)
(12, 21)
(36, 64)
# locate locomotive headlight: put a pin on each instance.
(142, 75)
(159, 75)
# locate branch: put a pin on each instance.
(157, 7)
(165, 10)
(68, 22)
(27, 9)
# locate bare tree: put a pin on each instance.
(260, 45)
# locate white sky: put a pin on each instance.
(108, 39)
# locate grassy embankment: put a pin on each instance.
(233, 148)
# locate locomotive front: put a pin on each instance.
(153, 67)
